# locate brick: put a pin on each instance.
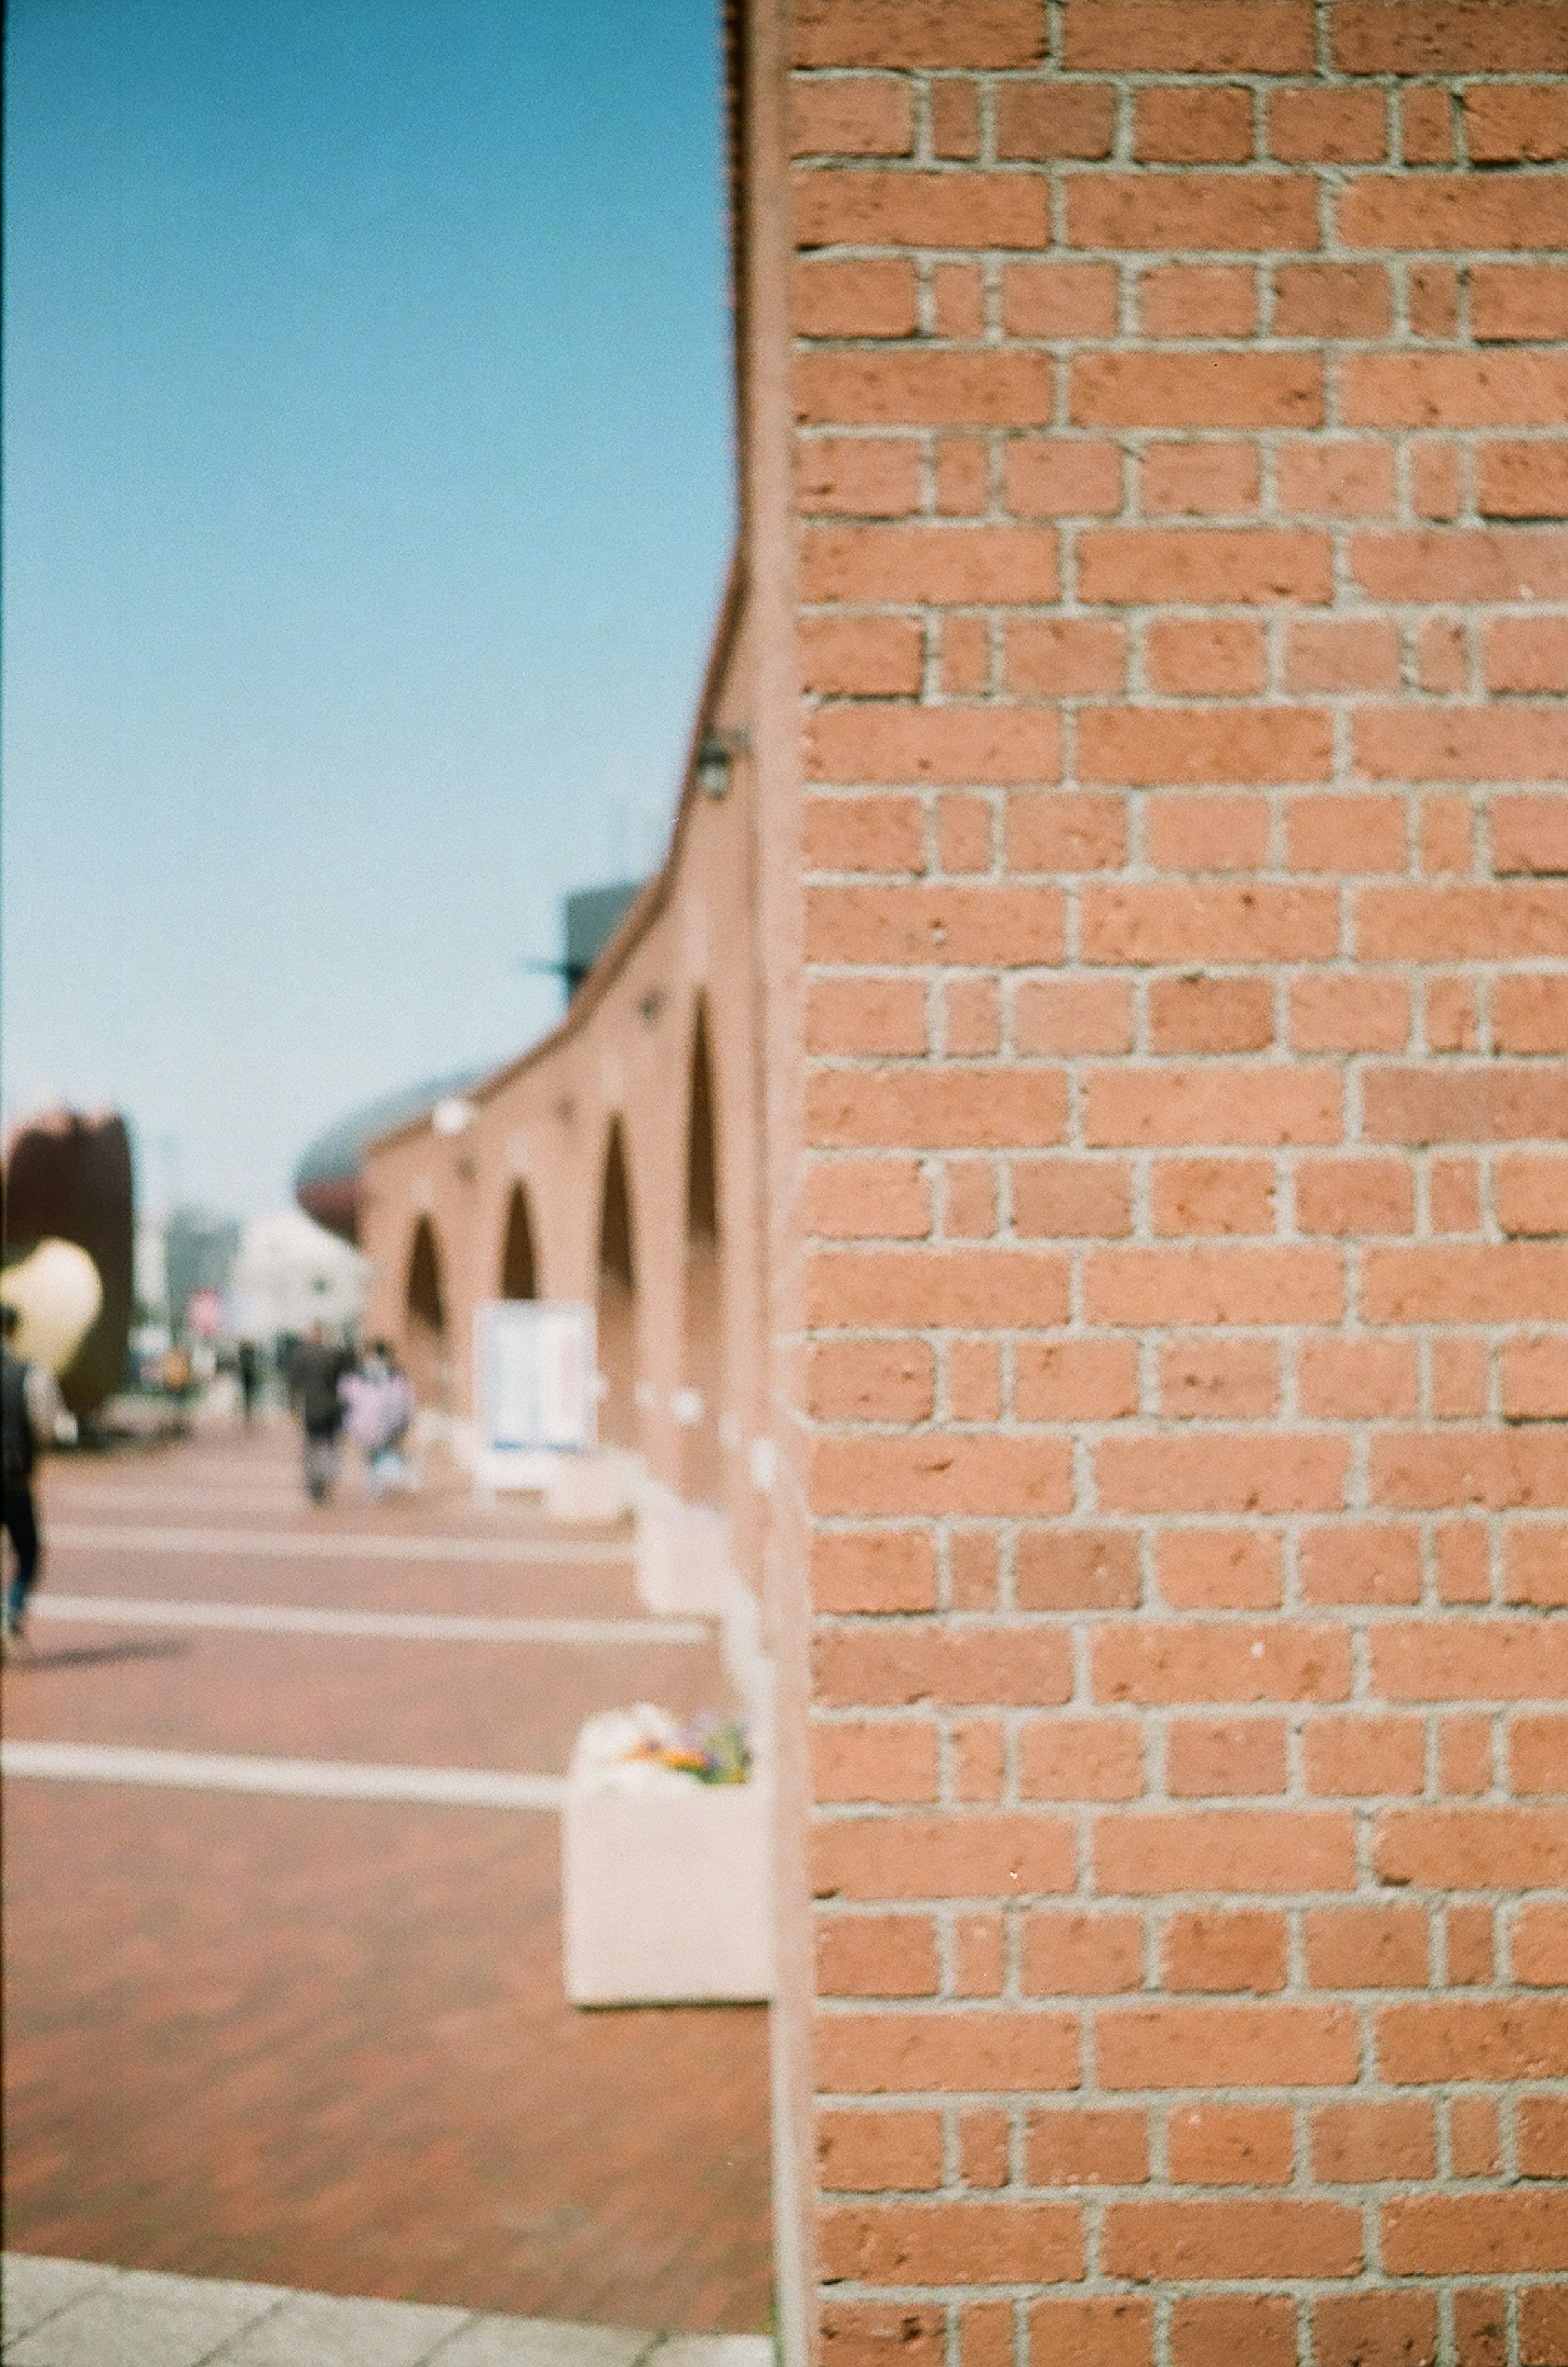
(1230, 2145)
(974, 1381)
(1064, 656)
(974, 926)
(1238, 213)
(1357, 1378)
(1350, 2329)
(971, 1015)
(1210, 654)
(1346, 834)
(1209, 389)
(1224, 1948)
(1359, 2143)
(864, 206)
(972, 1564)
(1543, 2135)
(1354, 1011)
(1367, 1947)
(862, 656)
(1464, 1754)
(870, 115)
(1219, 1380)
(1175, 1104)
(1062, 832)
(1543, 2325)
(873, 1569)
(1327, 127)
(1517, 127)
(950, 2243)
(1463, 1105)
(979, 1954)
(1535, 1379)
(969, 1199)
(1370, 1562)
(1449, 213)
(979, 1853)
(1360, 1756)
(956, 565)
(1081, 1759)
(916, 33)
(1537, 1744)
(889, 1762)
(1166, 565)
(1077, 1569)
(1477, 2234)
(1530, 833)
(1526, 654)
(1522, 481)
(878, 2334)
(1506, 1283)
(1198, 299)
(1426, 125)
(1157, 1664)
(1213, 1195)
(854, 300)
(1067, 1015)
(1532, 1192)
(1411, 37)
(1161, 36)
(1539, 1951)
(962, 480)
(1062, 476)
(1436, 1471)
(1075, 1380)
(955, 119)
(1342, 654)
(1219, 1849)
(976, 2052)
(1518, 302)
(1240, 2237)
(876, 1955)
(1473, 2136)
(1213, 1286)
(852, 1199)
(871, 1380)
(858, 476)
(1039, 122)
(1207, 480)
(1221, 1473)
(1070, 1952)
(1150, 746)
(1481, 2326)
(1080, 2144)
(1331, 300)
(1538, 1566)
(1059, 299)
(964, 822)
(858, 2152)
(937, 1108)
(941, 1472)
(1462, 743)
(1473, 1847)
(877, 834)
(1491, 1659)
(866, 1014)
(1212, 1758)
(1215, 2330)
(1218, 1569)
(1208, 124)
(1461, 563)
(1114, 2331)
(864, 741)
(1210, 1015)
(994, 1664)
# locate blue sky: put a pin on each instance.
(369, 490)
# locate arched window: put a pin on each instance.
(517, 1271)
(701, 1401)
(617, 1300)
(424, 1299)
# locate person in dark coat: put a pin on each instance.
(316, 1369)
(32, 1414)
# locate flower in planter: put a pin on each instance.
(645, 1748)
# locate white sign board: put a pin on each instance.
(535, 1365)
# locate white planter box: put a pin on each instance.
(667, 1895)
(599, 1485)
(683, 1557)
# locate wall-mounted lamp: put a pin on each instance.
(715, 761)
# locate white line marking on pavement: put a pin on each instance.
(399, 1626)
(309, 1779)
(327, 1544)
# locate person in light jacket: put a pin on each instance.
(31, 1415)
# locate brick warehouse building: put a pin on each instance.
(1070, 1156)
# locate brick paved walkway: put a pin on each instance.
(73, 2313)
(321, 2043)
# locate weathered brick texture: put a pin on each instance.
(1184, 627)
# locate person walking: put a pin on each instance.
(316, 1372)
(31, 1415)
(380, 1405)
(247, 1365)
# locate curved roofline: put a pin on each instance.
(649, 903)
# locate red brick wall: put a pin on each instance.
(1182, 625)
